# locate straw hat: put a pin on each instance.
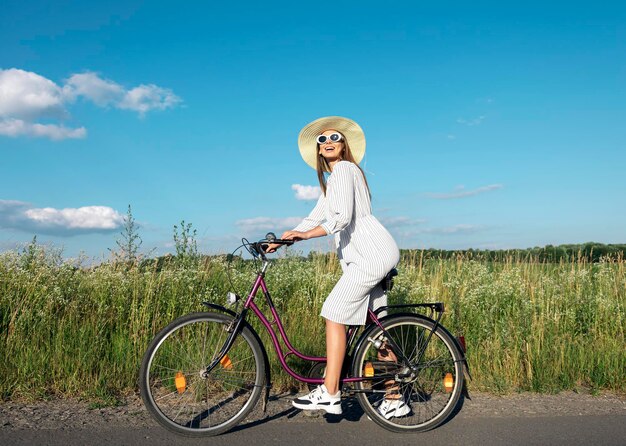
(307, 140)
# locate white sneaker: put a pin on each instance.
(393, 408)
(319, 398)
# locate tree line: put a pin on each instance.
(590, 251)
(129, 242)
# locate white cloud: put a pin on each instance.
(148, 97)
(268, 224)
(105, 92)
(11, 212)
(306, 192)
(395, 222)
(102, 92)
(460, 192)
(87, 217)
(69, 221)
(444, 231)
(26, 97)
(456, 229)
(18, 127)
(471, 122)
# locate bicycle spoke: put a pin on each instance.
(420, 387)
(175, 388)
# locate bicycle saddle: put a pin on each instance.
(387, 282)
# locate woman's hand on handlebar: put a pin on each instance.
(294, 235)
(287, 235)
(272, 247)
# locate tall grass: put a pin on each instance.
(67, 330)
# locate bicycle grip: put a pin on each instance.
(284, 241)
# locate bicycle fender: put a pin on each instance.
(460, 348)
(366, 333)
(220, 308)
(268, 370)
(454, 339)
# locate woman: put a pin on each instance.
(366, 251)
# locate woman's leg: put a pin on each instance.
(335, 352)
(329, 400)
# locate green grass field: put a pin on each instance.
(70, 331)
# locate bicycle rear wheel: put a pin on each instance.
(171, 379)
(431, 384)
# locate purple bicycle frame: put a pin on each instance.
(260, 283)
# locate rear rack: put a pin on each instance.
(434, 307)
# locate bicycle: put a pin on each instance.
(203, 373)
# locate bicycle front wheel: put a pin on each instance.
(428, 387)
(173, 384)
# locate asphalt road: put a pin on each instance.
(286, 428)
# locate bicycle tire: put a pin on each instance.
(199, 406)
(426, 395)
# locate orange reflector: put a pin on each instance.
(448, 382)
(180, 381)
(368, 371)
(226, 362)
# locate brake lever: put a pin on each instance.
(252, 249)
(260, 247)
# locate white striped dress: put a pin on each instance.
(366, 250)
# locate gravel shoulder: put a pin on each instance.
(72, 414)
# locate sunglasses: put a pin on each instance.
(333, 137)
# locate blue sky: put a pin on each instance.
(488, 126)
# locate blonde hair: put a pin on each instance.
(323, 166)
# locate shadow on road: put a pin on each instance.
(352, 412)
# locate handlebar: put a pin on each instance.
(258, 248)
(263, 244)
